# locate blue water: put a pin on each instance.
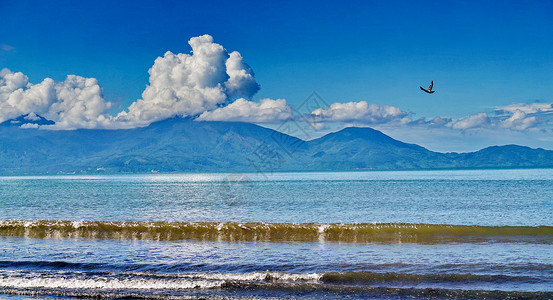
(492, 197)
(283, 269)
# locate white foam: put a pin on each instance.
(256, 276)
(106, 283)
(77, 224)
(161, 281)
(323, 228)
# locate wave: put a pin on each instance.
(141, 280)
(107, 283)
(256, 291)
(275, 232)
(390, 277)
(146, 280)
(264, 284)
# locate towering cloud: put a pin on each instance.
(241, 81)
(179, 85)
(188, 85)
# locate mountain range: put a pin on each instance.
(185, 145)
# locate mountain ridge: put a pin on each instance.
(185, 145)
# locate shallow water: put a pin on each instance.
(444, 234)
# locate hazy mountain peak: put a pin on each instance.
(31, 120)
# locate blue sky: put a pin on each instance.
(481, 55)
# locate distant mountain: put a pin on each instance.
(365, 148)
(184, 145)
(27, 121)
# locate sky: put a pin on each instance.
(105, 64)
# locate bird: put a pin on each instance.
(429, 90)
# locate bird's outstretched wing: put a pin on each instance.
(431, 85)
(427, 90)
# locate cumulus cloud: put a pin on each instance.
(519, 120)
(241, 81)
(29, 125)
(212, 84)
(522, 116)
(359, 112)
(76, 102)
(179, 85)
(478, 120)
(190, 84)
(242, 110)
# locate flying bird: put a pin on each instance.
(429, 90)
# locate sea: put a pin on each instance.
(445, 234)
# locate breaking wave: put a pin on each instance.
(274, 232)
(258, 284)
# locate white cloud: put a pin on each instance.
(32, 117)
(317, 126)
(522, 116)
(190, 84)
(76, 102)
(242, 110)
(29, 125)
(180, 84)
(359, 112)
(516, 117)
(241, 81)
(527, 108)
(79, 104)
(439, 121)
(205, 82)
(519, 120)
(478, 120)
(13, 90)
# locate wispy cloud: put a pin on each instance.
(360, 111)
(6, 47)
(528, 108)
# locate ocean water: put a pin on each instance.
(465, 234)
